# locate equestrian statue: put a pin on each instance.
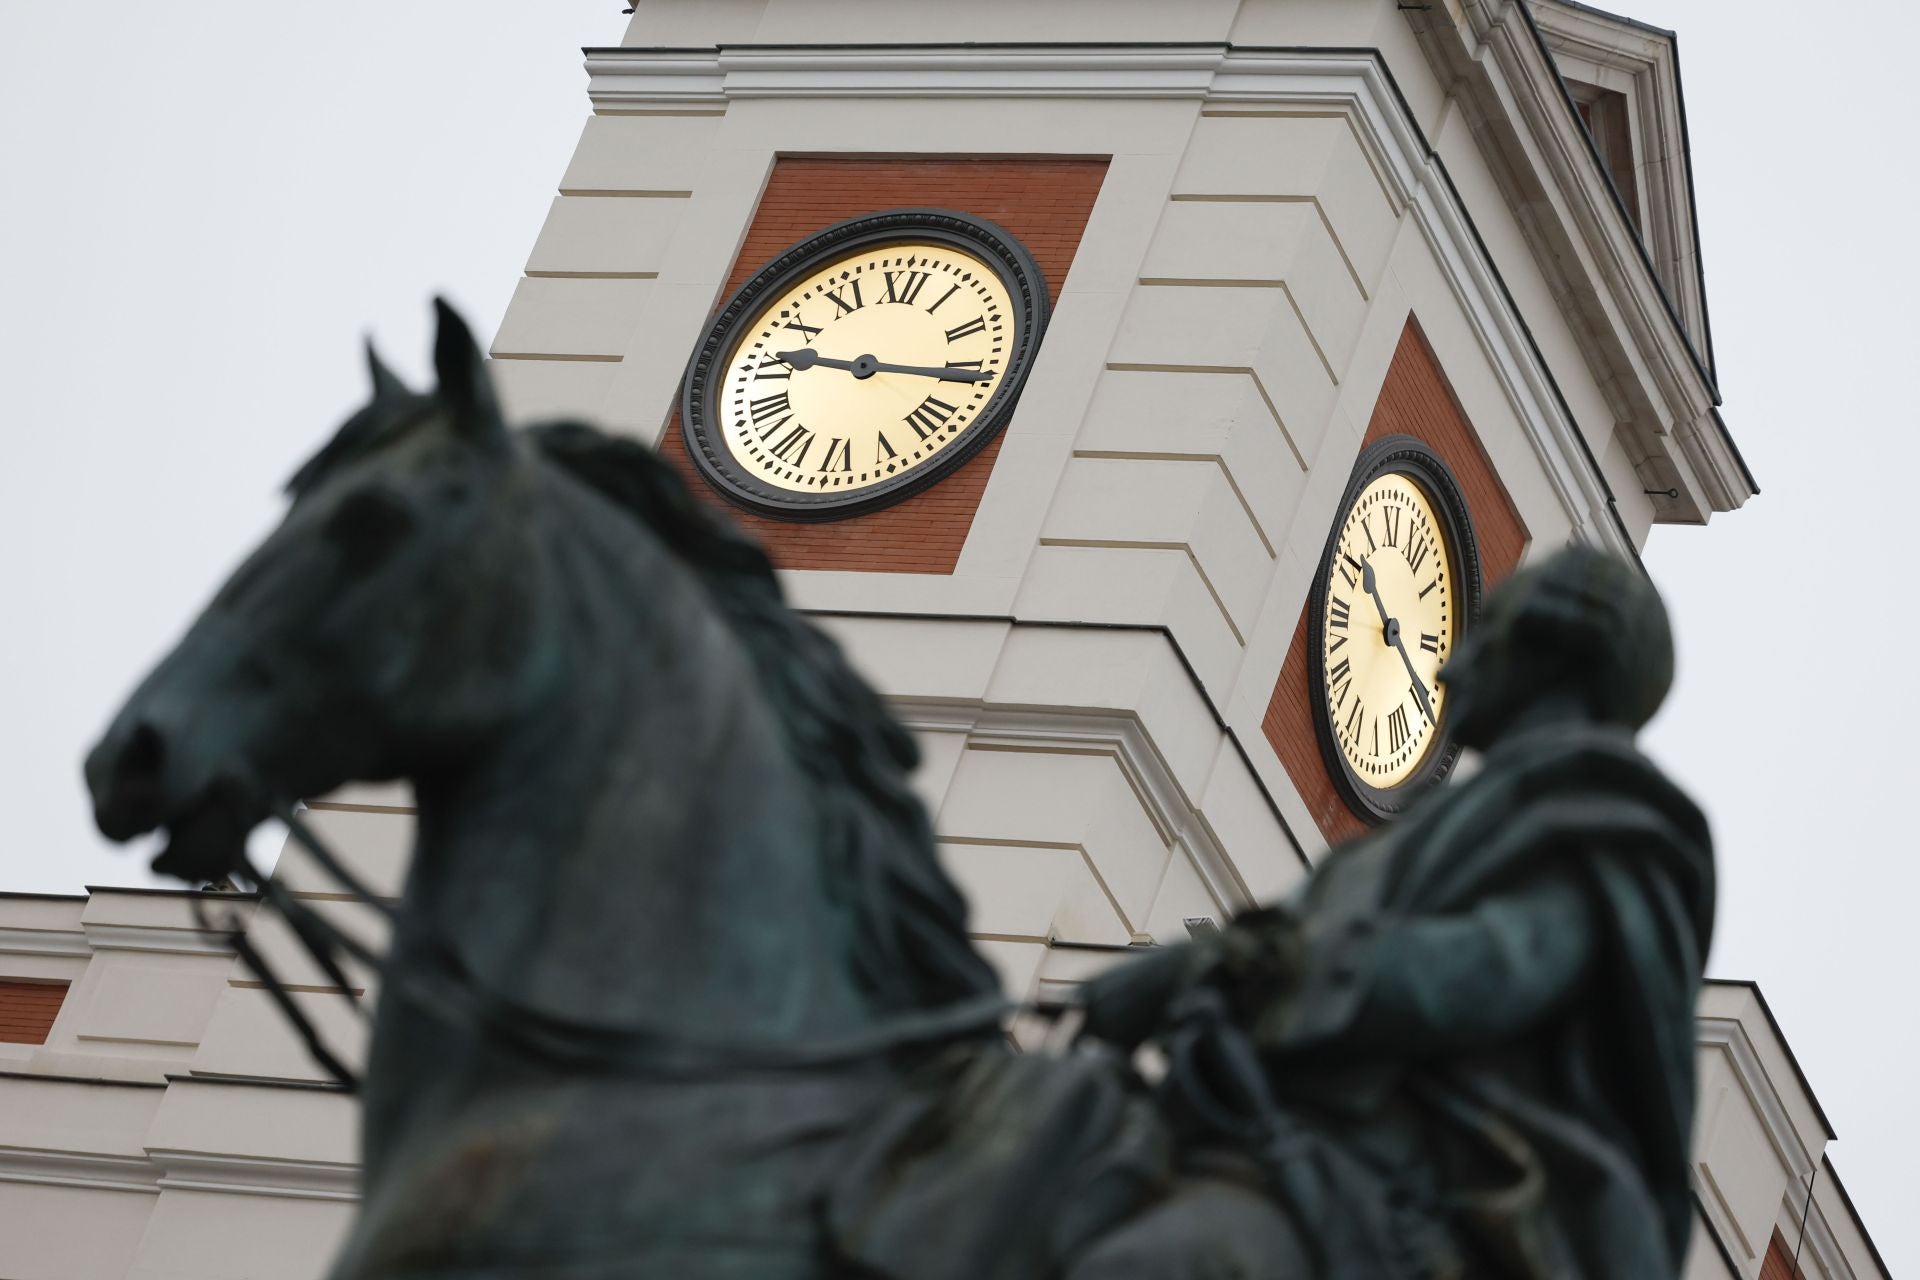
(676, 987)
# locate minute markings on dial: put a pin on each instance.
(834, 326)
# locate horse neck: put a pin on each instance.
(641, 850)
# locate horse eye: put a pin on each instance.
(367, 526)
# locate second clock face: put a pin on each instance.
(866, 369)
(1390, 621)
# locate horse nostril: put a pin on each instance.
(144, 756)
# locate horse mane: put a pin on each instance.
(909, 946)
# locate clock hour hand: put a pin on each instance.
(1372, 588)
(867, 366)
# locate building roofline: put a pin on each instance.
(1786, 1046)
(1833, 1176)
(154, 891)
(1620, 18)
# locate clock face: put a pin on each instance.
(1391, 598)
(863, 364)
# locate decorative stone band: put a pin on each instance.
(163, 1170)
(1682, 432)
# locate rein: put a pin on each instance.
(535, 1033)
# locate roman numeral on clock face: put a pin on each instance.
(839, 456)
(1337, 613)
(806, 331)
(976, 325)
(930, 416)
(1355, 717)
(792, 447)
(1429, 642)
(905, 286)
(1397, 731)
(942, 298)
(1391, 517)
(770, 367)
(1416, 552)
(852, 288)
(772, 409)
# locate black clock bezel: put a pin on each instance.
(1409, 457)
(992, 244)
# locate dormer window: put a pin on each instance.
(1606, 116)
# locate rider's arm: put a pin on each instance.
(1436, 984)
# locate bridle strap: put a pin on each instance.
(550, 1038)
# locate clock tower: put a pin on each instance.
(1144, 404)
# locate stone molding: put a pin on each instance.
(86, 1169)
(1650, 59)
(1118, 734)
(1663, 392)
(168, 938)
(255, 1175)
(44, 942)
(169, 1170)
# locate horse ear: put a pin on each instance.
(464, 383)
(386, 384)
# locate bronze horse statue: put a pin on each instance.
(676, 986)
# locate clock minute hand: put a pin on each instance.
(867, 366)
(929, 371)
(1390, 632)
(1419, 685)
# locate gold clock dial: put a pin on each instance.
(866, 369)
(1391, 619)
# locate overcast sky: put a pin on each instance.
(204, 204)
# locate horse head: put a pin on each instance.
(395, 581)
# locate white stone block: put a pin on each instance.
(540, 390)
(1079, 802)
(1295, 156)
(375, 845)
(1231, 240)
(1030, 893)
(192, 1233)
(615, 235)
(572, 317)
(641, 153)
(248, 1036)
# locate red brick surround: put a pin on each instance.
(1414, 401)
(27, 1010)
(1044, 201)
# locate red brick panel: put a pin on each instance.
(1043, 201)
(1778, 1264)
(27, 1010)
(1414, 401)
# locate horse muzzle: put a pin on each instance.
(138, 785)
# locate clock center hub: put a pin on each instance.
(865, 366)
(1393, 632)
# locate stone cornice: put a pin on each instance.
(44, 942)
(1660, 386)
